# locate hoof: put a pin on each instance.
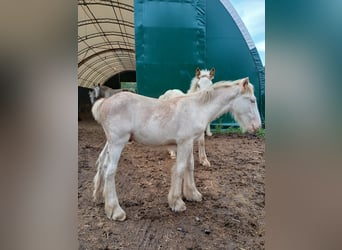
(98, 198)
(117, 214)
(205, 163)
(98, 201)
(178, 206)
(172, 154)
(193, 196)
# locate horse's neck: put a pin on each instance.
(103, 91)
(219, 101)
(193, 85)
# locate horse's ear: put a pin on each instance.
(198, 72)
(212, 73)
(245, 82)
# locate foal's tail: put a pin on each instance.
(95, 110)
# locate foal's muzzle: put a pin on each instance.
(254, 128)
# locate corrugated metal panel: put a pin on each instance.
(232, 52)
(170, 44)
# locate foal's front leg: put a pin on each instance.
(175, 195)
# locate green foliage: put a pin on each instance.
(132, 86)
(219, 129)
(261, 132)
(233, 130)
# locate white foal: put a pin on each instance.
(201, 81)
(177, 121)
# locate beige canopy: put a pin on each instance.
(106, 43)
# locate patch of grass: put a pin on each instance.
(233, 130)
(261, 132)
(219, 129)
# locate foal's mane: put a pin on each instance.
(206, 95)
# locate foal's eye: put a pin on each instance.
(252, 100)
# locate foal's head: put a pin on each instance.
(245, 108)
(204, 78)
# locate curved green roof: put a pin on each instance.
(174, 37)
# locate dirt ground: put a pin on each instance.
(231, 215)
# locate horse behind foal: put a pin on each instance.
(177, 121)
(92, 96)
(102, 92)
(201, 81)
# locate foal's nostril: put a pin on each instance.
(256, 127)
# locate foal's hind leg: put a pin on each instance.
(208, 132)
(101, 164)
(112, 207)
(190, 191)
(175, 194)
(201, 152)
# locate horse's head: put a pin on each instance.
(204, 78)
(97, 90)
(245, 108)
(92, 96)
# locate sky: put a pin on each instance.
(252, 13)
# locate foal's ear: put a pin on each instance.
(245, 82)
(198, 72)
(212, 73)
